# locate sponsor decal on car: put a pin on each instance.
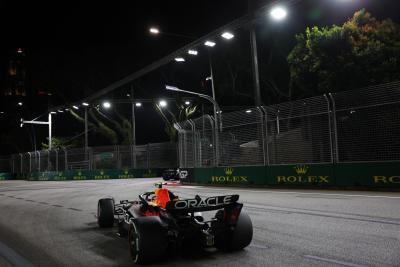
(201, 203)
(183, 174)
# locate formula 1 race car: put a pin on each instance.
(160, 222)
(170, 174)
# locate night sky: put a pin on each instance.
(79, 45)
(74, 48)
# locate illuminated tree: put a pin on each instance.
(363, 51)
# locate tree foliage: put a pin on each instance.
(181, 113)
(363, 51)
(59, 142)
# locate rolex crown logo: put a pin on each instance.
(126, 172)
(301, 169)
(228, 171)
(101, 172)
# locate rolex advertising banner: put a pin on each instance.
(377, 174)
(238, 175)
(301, 174)
(231, 175)
(94, 175)
(372, 175)
(5, 176)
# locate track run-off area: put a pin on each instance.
(54, 224)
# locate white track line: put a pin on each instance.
(13, 257)
(286, 192)
(333, 261)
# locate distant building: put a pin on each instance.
(15, 84)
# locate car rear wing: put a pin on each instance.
(199, 204)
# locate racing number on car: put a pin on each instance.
(183, 174)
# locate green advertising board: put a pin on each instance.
(5, 176)
(376, 174)
(239, 175)
(93, 175)
(230, 175)
(301, 174)
(373, 175)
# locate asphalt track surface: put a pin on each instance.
(54, 224)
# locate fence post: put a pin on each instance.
(264, 134)
(38, 161)
(30, 162)
(218, 129)
(210, 120)
(13, 164)
(49, 165)
(148, 155)
(214, 135)
(133, 156)
(66, 159)
(56, 159)
(335, 128)
(90, 155)
(194, 143)
(116, 152)
(20, 156)
(333, 160)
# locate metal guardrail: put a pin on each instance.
(353, 126)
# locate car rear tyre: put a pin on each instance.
(239, 238)
(147, 240)
(105, 212)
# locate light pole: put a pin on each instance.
(133, 147)
(157, 31)
(208, 44)
(86, 134)
(40, 122)
(212, 84)
(217, 110)
(254, 57)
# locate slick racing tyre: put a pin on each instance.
(147, 240)
(239, 238)
(105, 212)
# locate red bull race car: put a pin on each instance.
(160, 223)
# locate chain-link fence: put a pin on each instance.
(157, 155)
(299, 131)
(5, 164)
(353, 126)
(368, 124)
